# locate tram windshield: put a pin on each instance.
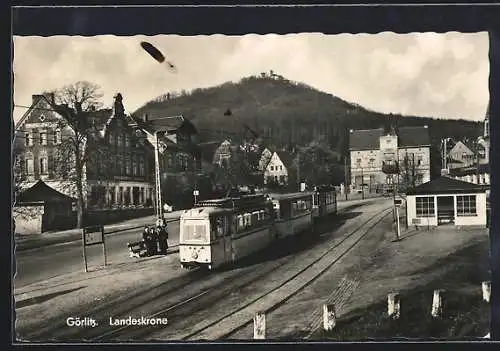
(195, 230)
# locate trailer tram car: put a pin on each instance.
(224, 230)
(293, 213)
(325, 201)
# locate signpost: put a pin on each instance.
(397, 205)
(196, 193)
(93, 235)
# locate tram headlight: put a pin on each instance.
(194, 255)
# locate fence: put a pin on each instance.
(329, 317)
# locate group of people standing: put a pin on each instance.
(156, 238)
(154, 241)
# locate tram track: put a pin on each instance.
(178, 310)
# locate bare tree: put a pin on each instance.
(79, 146)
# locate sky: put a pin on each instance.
(423, 74)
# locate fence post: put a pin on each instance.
(437, 303)
(393, 305)
(329, 317)
(486, 291)
(259, 326)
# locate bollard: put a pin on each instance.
(486, 291)
(329, 318)
(437, 303)
(393, 305)
(259, 326)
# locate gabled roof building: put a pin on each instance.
(373, 149)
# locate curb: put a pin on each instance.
(70, 240)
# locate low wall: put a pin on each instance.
(28, 219)
(113, 216)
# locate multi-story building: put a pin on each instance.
(477, 172)
(119, 167)
(373, 151)
(179, 154)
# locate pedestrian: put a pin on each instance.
(162, 236)
(149, 243)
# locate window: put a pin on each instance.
(425, 206)
(42, 118)
(44, 165)
(419, 160)
(466, 205)
(134, 166)
(57, 136)
(119, 167)
(120, 140)
(141, 166)
(272, 168)
(28, 139)
(111, 139)
(281, 168)
(372, 162)
(358, 162)
(29, 166)
(43, 138)
(128, 163)
(127, 141)
(358, 180)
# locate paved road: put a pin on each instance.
(46, 262)
(49, 261)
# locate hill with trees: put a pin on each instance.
(288, 114)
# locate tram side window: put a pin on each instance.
(248, 219)
(241, 223)
(219, 226)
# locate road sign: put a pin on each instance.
(196, 192)
(398, 202)
(93, 235)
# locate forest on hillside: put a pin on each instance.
(287, 114)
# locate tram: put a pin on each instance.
(225, 230)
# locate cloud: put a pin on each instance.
(428, 74)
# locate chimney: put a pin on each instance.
(145, 117)
(92, 108)
(52, 98)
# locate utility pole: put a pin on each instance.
(477, 161)
(413, 170)
(362, 184)
(159, 207)
(346, 175)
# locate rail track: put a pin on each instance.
(236, 318)
(194, 279)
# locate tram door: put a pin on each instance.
(228, 249)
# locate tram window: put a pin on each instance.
(255, 217)
(262, 215)
(240, 222)
(218, 226)
(248, 219)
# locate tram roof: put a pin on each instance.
(289, 196)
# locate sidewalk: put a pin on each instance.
(27, 242)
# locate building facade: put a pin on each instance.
(371, 150)
(119, 163)
(276, 170)
(460, 155)
(478, 171)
